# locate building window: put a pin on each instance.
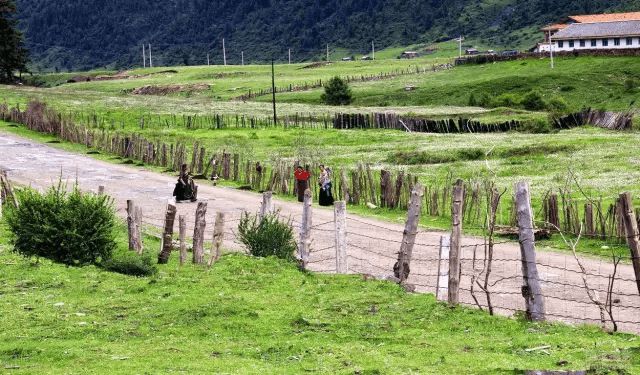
(560, 44)
(605, 42)
(594, 43)
(629, 41)
(582, 43)
(571, 44)
(616, 41)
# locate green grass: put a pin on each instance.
(255, 316)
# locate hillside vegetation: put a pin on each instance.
(68, 35)
(257, 316)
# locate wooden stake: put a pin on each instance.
(442, 289)
(531, 290)
(267, 205)
(631, 231)
(182, 225)
(455, 248)
(401, 268)
(304, 247)
(134, 240)
(167, 235)
(218, 238)
(340, 219)
(198, 233)
(101, 190)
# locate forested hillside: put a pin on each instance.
(83, 34)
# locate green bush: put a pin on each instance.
(73, 227)
(505, 100)
(472, 101)
(337, 92)
(630, 84)
(533, 101)
(128, 262)
(557, 105)
(267, 237)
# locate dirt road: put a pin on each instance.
(372, 244)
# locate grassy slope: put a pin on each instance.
(596, 82)
(263, 316)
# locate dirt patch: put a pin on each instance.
(170, 89)
(127, 75)
(316, 65)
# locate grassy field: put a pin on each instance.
(256, 316)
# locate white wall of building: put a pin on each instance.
(600, 43)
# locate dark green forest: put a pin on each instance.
(85, 34)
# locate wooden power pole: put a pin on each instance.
(224, 53)
(144, 57)
(273, 91)
(150, 61)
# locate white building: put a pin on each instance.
(600, 31)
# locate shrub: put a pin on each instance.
(505, 100)
(557, 105)
(73, 228)
(630, 84)
(485, 100)
(533, 101)
(267, 237)
(472, 101)
(337, 92)
(130, 263)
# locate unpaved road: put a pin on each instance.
(372, 244)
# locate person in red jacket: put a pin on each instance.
(302, 181)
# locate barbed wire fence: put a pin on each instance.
(494, 277)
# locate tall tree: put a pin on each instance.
(13, 56)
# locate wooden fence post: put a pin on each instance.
(182, 227)
(401, 268)
(198, 233)
(218, 237)
(267, 204)
(101, 190)
(443, 268)
(455, 244)
(132, 227)
(167, 234)
(138, 218)
(304, 247)
(531, 290)
(340, 220)
(345, 186)
(633, 237)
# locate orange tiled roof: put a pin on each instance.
(593, 18)
(557, 26)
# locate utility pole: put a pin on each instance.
(144, 57)
(373, 50)
(289, 56)
(242, 57)
(150, 61)
(207, 59)
(551, 49)
(327, 52)
(224, 53)
(460, 47)
(273, 90)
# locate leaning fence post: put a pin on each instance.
(167, 234)
(401, 268)
(454, 248)
(531, 290)
(443, 268)
(304, 247)
(138, 218)
(134, 233)
(182, 227)
(631, 229)
(267, 204)
(218, 237)
(340, 219)
(198, 233)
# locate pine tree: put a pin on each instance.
(337, 92)
(13, 56)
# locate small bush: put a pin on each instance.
(472, 101)
(267, 237)
(505, 100)
(541, 126)
(337, 92)
(73, 228)
(630, 84)
(533, 101)
(430, 157)
(129, 263)
(557, 105)
(485, 100)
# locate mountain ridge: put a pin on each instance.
(81, 35)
